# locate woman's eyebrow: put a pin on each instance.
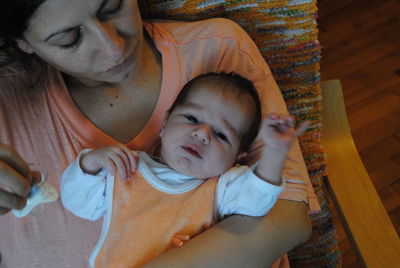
(63, 31)
(69, 29)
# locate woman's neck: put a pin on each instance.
(122, 110)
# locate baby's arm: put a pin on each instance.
(240, 191)
(278, 134)
(84, 182)
(254, 191)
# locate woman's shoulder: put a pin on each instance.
(16, 81)
(11, 76)
(10, 69)
(183, 31)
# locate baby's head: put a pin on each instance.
(211, 123)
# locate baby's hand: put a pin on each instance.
(116, 159)
(279, 132)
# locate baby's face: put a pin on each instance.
(201, 137)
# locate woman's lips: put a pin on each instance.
(192, 150)
(120, 67)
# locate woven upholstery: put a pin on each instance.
(286, 33)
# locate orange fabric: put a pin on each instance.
(146, 222)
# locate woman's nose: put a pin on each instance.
(202, 133)
(111, 45)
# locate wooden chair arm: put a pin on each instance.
(367, 224)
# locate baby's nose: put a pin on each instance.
(202, 134)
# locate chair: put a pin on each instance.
(367, 224)
(286, 33)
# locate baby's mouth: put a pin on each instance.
(192, 150)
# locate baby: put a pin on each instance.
(151, 203)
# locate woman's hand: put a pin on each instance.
(116, 159)
(15, 179)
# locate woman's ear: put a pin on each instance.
(24, 46)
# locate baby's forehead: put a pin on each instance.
(215, 88)
(219, 92)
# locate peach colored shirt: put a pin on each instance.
(49, 131)
(147, 222)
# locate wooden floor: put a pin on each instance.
(361, 46)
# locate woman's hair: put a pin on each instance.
(15, 16)
(14, 20)
(230, 83)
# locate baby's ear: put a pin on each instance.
(24, 46)
(164, 122)
(241, 156)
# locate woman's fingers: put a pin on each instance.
(11, 201)
(4, 210)
(13, 159)
(13, 181)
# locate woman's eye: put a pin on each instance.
(191, 118)
(110, 7)
(77, 35)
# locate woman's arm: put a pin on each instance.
(241, 241)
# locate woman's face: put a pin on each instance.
(91, 40)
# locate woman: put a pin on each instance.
(106, 77)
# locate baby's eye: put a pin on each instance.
(191, 118)
(221, 136)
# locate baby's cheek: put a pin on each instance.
(225, 160)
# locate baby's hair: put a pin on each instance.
(230, 83)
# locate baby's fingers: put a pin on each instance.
(289, 121)
(302, 127)
(273, 119)
(120, 164)
(131, 158)
(121, 158)
(109, 165)
(280, 123)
